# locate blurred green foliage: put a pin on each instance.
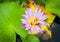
(10, 15)
(41, 2)
(31, 38)
(1, 1)
(53, 6)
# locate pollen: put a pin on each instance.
(33, 21)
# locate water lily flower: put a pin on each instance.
(33, 20)
(37, 19)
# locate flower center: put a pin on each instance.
(33, 21)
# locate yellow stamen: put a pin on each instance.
(33, 21)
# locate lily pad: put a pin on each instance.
(10, 15)
(31, 38)
(53, 6)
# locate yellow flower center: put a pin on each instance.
(33, 21)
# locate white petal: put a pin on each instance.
(24, 21)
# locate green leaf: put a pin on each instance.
(53, 6)
(31, 38)
(10, 15)
(7, 35)
(20, 31)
